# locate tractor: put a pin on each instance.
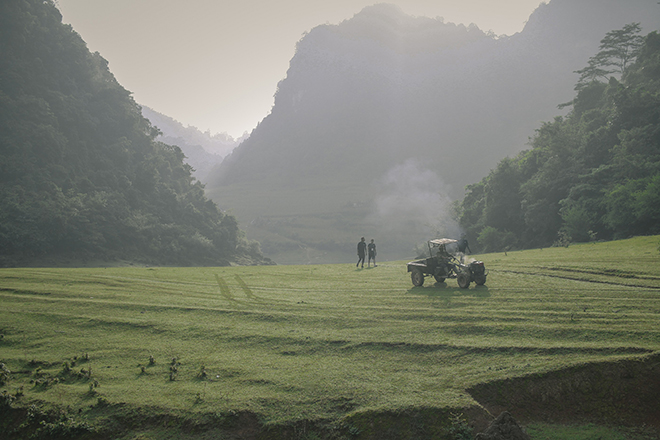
(442, 265)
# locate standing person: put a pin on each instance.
(463, 245)
(361, 250)
(372, 252)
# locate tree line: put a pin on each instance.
(81, 175)
(592, 174)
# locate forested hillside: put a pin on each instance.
(81, 176)
(594, 174)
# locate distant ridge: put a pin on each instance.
(401, 86)
(203, 150)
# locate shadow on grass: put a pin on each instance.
(443, 290)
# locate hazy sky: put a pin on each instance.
(215, 64)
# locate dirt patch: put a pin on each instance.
(622, 393)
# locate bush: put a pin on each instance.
(494, 240)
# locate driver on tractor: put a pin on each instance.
(443, 254)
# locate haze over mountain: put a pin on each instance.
(203, 150)
(385, 118)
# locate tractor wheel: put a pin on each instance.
(417, 277)
(480, 280)
(463, 280)
(439, 279)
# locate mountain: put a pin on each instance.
(82, 178)
(203, 150)
(383, 119)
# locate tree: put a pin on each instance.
(595, 172)
(618, 49)
(502, 197)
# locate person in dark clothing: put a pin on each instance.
(371, 247)
(463, 245)
(361, 251)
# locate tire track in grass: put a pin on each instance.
(505, 349)
(226, 291)
(566, 277)
(616, 273)
(246, 288)
(224, 288)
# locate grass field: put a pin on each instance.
(331, 343)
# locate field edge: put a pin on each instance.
(621, 393)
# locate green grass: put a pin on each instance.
(295, 343)
(586, 432)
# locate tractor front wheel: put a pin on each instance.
(463, 280)
(417, 277)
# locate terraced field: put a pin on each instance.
(325, 351)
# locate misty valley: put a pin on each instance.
(390, 126)
(541, 149)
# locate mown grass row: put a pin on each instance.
(319, 342)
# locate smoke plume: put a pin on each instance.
(412, 205)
